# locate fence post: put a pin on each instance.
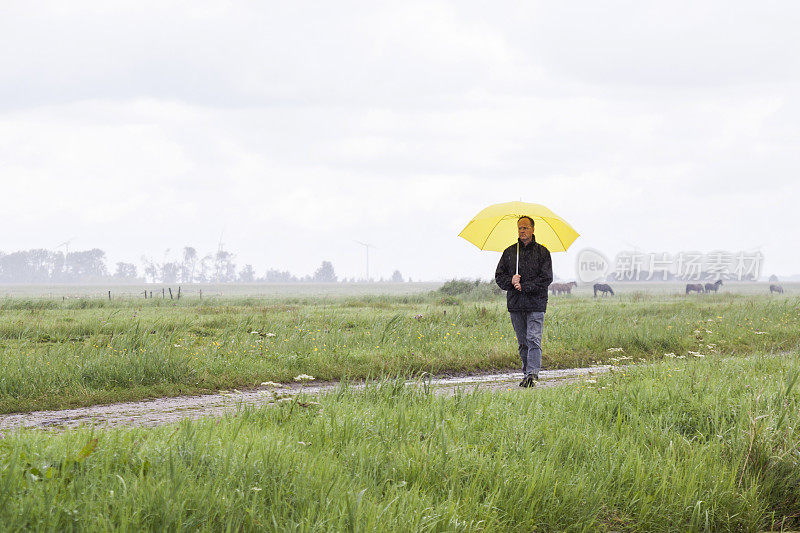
(109, 296)
(163, 294)
(151, 294)
(201, 294)
(145, 294)
(170, 293)
(179, 292)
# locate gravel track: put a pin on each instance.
(174, 409)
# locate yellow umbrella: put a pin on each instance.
(495, 228)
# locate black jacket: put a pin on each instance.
(536, 271)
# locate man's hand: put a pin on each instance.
(516, 281)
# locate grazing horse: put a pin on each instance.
(603, 288)
(713, 286)
(562, 288)
(696, 287)
(775, 288)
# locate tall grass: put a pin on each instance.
(708, 444)
(75, 354)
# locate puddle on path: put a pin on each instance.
(167, 410)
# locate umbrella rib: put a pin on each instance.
(559, 240)
(489, 234)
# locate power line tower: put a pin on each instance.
(366, 248)
(221, 244)
(65, 244)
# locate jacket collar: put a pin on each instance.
(522, 245)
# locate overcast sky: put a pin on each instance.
(293, 129)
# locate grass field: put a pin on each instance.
(701, 444)
(59, 353)
(702, 437)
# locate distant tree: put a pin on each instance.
(205, 273)
(150, 269)
(125, 271)
(278, 276)
(247, 274)
(87, 265)
(188, 264)
(224, 269)
(170, 272)
(14, 267)
(325, 273)
(30, 266)
(397, 277)
(59, 273)
(43, 264)
(773, 279)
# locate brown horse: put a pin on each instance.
(775, 288)
(562, 288)
(602, 288)
(713, 286)
(694, 287)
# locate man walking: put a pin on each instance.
(525, 271)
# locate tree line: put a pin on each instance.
(89, 266)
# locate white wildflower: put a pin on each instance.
(669, 354)
(270, 384)
(612, 350)
(304, 378)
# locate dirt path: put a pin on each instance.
(167, 410)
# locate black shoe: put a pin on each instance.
(524, 382)
(527, 382)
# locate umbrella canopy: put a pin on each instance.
(495, 228)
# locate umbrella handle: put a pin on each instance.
(516, 271)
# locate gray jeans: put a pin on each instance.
(528, 327)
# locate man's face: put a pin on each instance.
(525, 229)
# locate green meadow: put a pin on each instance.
(60, 353)
(694, 429)
(700, 444)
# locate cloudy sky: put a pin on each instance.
(291, 130)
